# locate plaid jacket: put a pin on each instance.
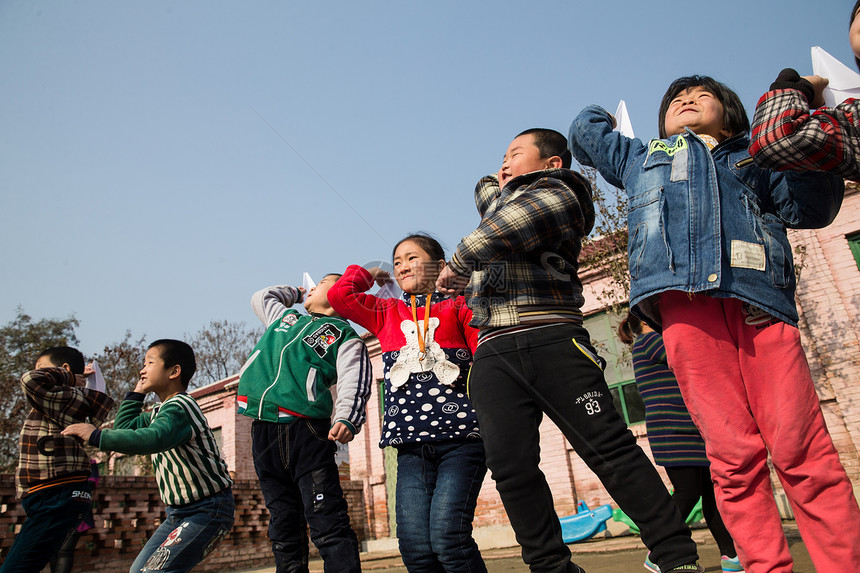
(46, 457)
(786, 136)
(523, 256)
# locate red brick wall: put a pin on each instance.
(129, 509)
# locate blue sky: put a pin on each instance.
(161, 161)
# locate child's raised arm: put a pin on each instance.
(348, 298)
(548, 213)
(270, 303)
(787, 136)
(593, 143)
(53, 392)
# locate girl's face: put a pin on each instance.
(698, 109)
(414, 270)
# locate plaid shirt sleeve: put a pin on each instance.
(786, 136)
(44, 453)
(52, 392)
(546, 212)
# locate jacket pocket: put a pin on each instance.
(770, 232)
(645, 220)
(673, 155)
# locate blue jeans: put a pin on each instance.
(51, 515)
(437, 490)
(301, 485)
(188, 535)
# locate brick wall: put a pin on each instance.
(128, 509)
(829, 299)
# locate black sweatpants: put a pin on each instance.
(514, 380)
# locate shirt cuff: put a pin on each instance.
(790, 79)
(348, 424)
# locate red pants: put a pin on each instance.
(747, 385)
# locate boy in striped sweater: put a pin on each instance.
(192, 478)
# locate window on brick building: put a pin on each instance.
(854, 245)
(219, 440)
(619, 368)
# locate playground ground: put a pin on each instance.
(614, 555)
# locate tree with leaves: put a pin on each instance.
(21, 341)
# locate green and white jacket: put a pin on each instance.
(290, 373)
(185, 456)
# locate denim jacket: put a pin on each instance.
(702, 221)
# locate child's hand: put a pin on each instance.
(83, 431)
(340, 432)
(614, 121)
(302, 293)
(451, 283)
(818, 84)
(141, 387)
(88, 369)
(380, 277)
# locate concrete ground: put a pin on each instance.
(613, 555)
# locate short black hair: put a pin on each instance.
(550, 143)
(176, 352)
(429, 244)
(59, 355)
(735, 118)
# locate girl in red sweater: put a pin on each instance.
(427, 347)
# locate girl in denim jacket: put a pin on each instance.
(711, 267)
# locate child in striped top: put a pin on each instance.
(191, 475)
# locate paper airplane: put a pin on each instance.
(844, 82)
(389, 290)
(622, 119)
(96, 381)
(307, 282)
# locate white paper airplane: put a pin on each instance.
(307, 282)
(622, 119)
(844, 82)
(96, 381)
(389, 290)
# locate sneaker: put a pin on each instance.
(731, 565)
(689, 568)
(649, 565)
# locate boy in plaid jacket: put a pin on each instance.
(534, 356)
(51, 480)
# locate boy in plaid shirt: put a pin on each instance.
(535, 357)
(52, 474)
